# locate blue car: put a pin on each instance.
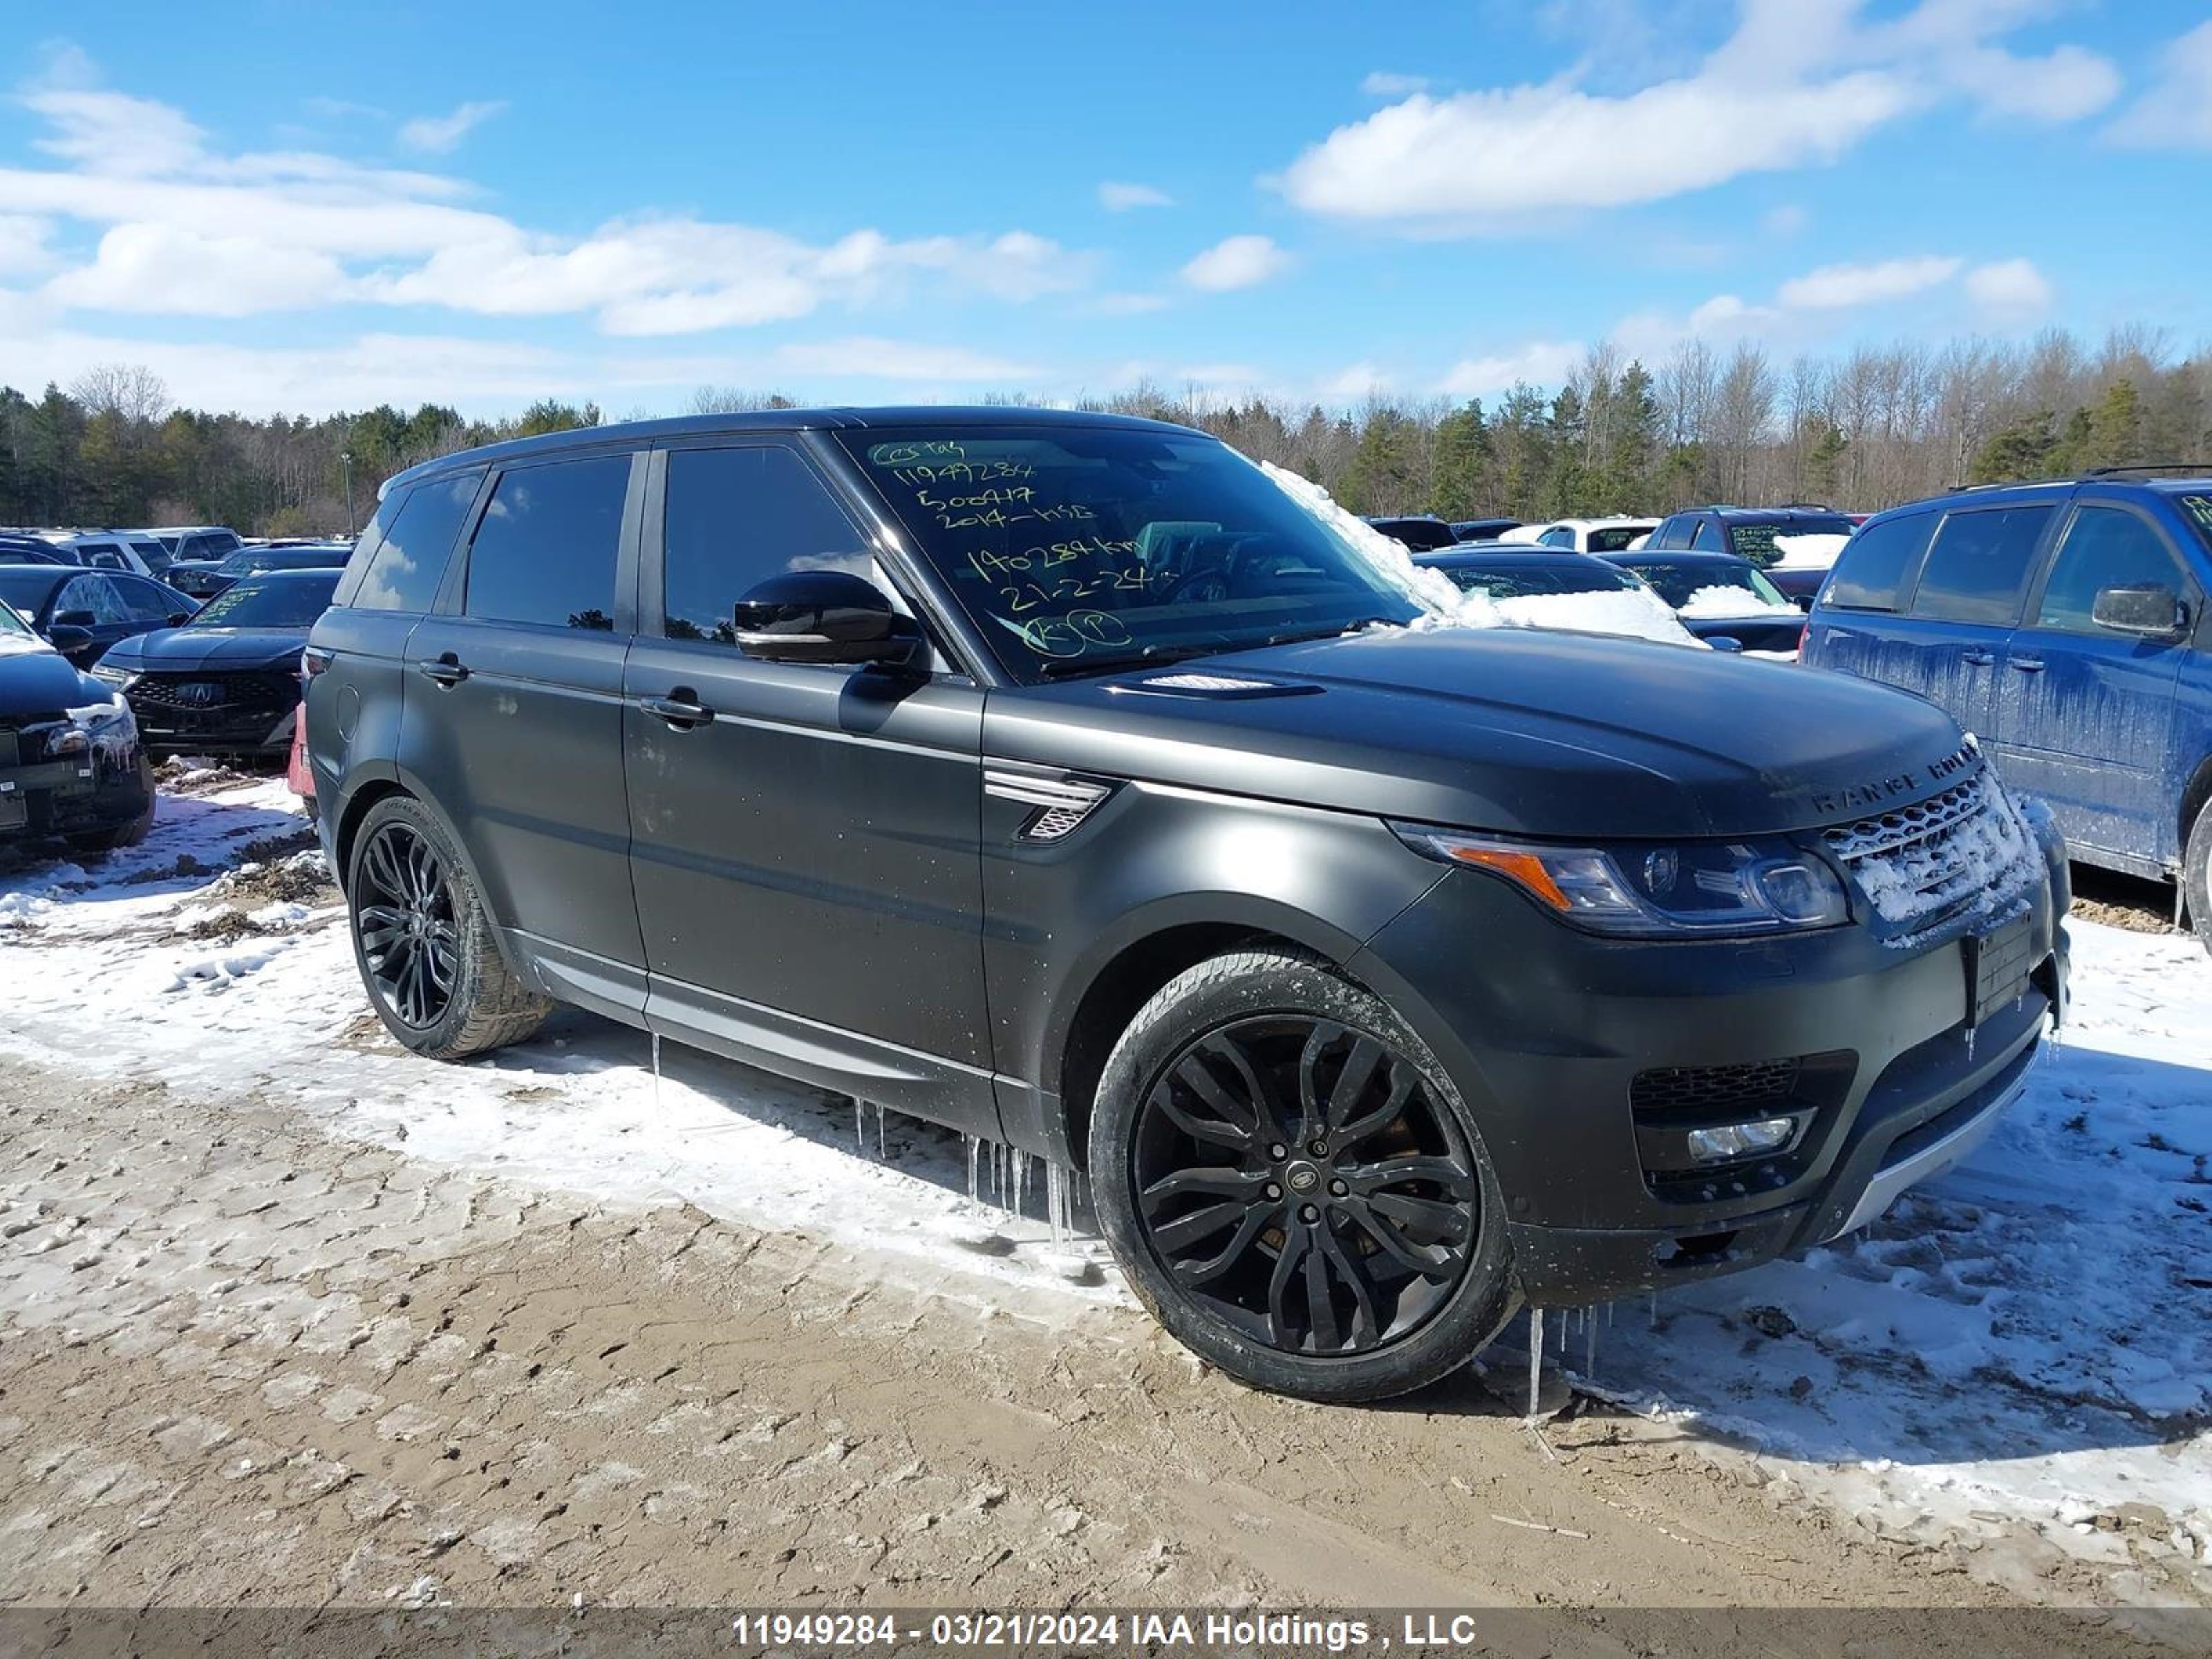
(2064, 624)
(228, 681)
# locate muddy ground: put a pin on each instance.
(243, 1361)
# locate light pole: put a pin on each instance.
(346, 455)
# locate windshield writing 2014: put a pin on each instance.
(1054, 570)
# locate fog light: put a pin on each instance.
(1730, 1140)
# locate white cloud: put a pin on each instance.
(1350, 384)
(1798, 84)
(2175, 111)
(23, 244)
(174, 271)
(437, 134)
(185, 231)
(1834, 286)
(1128, 305)
(1381, 84)
(1235, 261)
(1540, 362)
(1118, 197)
(2008, 290)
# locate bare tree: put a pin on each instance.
(130, 391)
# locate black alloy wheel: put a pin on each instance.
(410, 944)
(1298, 1181)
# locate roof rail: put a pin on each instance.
(2149, 466)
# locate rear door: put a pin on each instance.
(1855, 626)
(512, 716)
(803, 848)
(2085, 716)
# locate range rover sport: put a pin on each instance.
(1060, 778)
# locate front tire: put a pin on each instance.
(1294, 1186)
(2197, 876)
(424, 944)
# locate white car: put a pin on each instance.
(1614, 535)
(108, 549)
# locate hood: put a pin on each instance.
(1550, 735)
(181, 650)
(34, 679)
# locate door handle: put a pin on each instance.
(1979, 659)
(447, 670)
(2028, 664)
(679, 709)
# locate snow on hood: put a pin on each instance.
(1808, 552)
(1723, 600)
(1636, 613)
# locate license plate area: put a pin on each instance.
(1997, 967)
(15, 811)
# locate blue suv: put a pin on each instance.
(2064, 624)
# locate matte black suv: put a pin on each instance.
(1045, 776)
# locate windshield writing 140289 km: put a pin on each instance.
(1084, 550)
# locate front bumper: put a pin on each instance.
(1895, 1066)
(77, 794)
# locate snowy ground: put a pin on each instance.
(2022, 1349)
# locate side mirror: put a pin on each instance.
(1723, 642)
(74, 619)
(827, 616)
(2157, 612)
(179, 618)
(69, 639)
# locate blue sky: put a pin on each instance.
(290, 207)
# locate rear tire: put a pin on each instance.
(2197, 876)
(1294, 1186)
(424, 942)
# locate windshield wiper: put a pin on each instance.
(1335, 631)
(1151, 656)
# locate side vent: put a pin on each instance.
(1062, 804)
(1195, 682)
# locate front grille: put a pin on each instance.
(1892, 832)
(233, 695)
(1713, 1091)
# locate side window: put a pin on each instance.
(101, 555)
(1870, 570)
(544, 551)
(197, 547)
(736, 517)
(2103, 547)
(92, 596)
(1978, 564)
(1707, 536)
(1557, 535)
(149, 602)
(408, 561)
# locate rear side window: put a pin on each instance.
(1870, 570)
(1557, 535)
(404, 571)
(1978, 564)
(1707, 536)
(1673, 532)
(545, 549)
(93, 597)
(2103, 547)
(737, 517)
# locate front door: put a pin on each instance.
(2085, 717)
(804, 839)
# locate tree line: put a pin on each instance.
(1860, 430)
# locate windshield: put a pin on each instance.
(280, 602)
(1753, 539)
(1677, 582)
(12, 625)
(1524, 577)
(1081, 549)
(2199, 510)
(156, 555)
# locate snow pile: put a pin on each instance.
(1808, 552)
(1722, 600)
(1636, 613)
(1992, 854)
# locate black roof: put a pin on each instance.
(922, 416)
(1487, 556)
(1681, 555)
(1771, 514)
(26, 586)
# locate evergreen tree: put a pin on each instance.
(1461, 487)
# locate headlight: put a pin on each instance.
(91, 725)
(121, 679)
(1689, 887)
